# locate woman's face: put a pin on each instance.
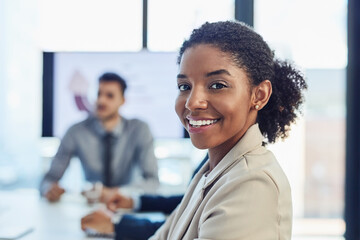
(214, 101)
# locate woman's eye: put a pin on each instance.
(184, 87)
(217, 86)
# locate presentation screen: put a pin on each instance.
(150, 96)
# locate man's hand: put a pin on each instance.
(54, 193)
(96, 192)
(119, 201)
(108, 193)
(99, 221)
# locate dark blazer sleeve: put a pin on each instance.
(156, 203)
(134, 228)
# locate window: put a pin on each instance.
(90, 25)
(312, 34)
(170, 22)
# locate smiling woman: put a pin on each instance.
(214, 86)
(234, 95)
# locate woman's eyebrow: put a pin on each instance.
(218, 72)
(181, 76)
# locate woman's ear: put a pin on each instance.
(261, 94)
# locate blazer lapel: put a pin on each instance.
(182, 221)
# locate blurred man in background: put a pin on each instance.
(109, 146)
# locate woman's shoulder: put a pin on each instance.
(266, 166)
(254, 170)
(261, 184)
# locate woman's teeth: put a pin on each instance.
(199, 123)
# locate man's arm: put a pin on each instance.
(129, 227)
(145, 155)
(157, 203)
(58, 165)
(132, 227)
(144, 203)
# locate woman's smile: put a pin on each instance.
(199, 125)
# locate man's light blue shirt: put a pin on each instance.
(132, 151)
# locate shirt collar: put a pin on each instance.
(99, 129)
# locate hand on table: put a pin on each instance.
(54, 193)
(117, 200)
(99, 221)
(108, 193)
(97, 192)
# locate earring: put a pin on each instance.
(257, 107)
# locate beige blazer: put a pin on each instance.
(246, 196)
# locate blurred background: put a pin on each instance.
(312, 34)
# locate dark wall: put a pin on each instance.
(352, 188)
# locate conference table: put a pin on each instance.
(44, 220)
(61, 220)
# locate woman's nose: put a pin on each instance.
(196, 100)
